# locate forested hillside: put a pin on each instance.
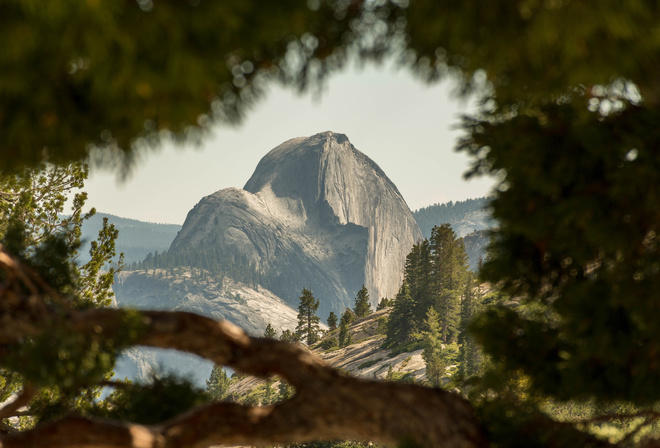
(136, 238)
(464, 216)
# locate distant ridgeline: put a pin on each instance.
(464, 216)
(136, 238)
(211, 262)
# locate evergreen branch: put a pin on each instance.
(607, 417)
(9, 196)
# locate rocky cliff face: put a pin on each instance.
(476, 244)
(316, 213)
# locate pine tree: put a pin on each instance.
(217, 385)
(437, 355)
(470, 356)
(332, 321)
(308, 322)
(384, 303)
(268, 393)
(400, 325)
(270, 332)
(450, 268)
(362, 306)
(418, 272)
(289, 336)
(344, 323)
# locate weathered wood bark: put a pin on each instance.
(327, 405)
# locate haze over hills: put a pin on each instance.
(464, 217)
(136, 238)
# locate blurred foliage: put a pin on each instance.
(34, 228)
(72, 68)
(334, 444)
(163, 397)
(567, 124)
(65, 367)
(578, 219)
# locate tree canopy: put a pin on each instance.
(72, 68)
(568, 126)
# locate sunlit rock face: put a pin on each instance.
(316, 213)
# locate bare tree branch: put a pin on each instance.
(328, 405)
(22, 399)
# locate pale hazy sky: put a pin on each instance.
(405, 126)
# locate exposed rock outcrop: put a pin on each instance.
(250, 307)
(316, 213)
(476, 244)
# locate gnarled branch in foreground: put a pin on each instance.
(328, 405)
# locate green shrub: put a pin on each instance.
(329, 344)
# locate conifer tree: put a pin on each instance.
(33, 226)
(332, 321)
(344, 323)
(289, 336)
(308, 322)
(217, 385)
(400, 325)
(437, 355)
(384, 303)
(286, 390)
(418, 271)
(470, 356)
(450, 268)
(270, 332)
(362, 306)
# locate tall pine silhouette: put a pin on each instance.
(308, 322)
